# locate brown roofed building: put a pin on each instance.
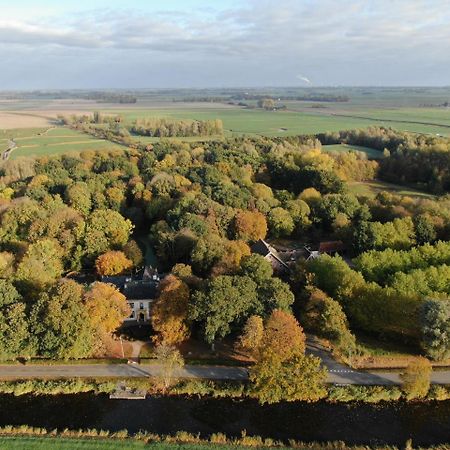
(331, 247)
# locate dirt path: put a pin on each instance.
(11, 146)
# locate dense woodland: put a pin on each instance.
(202, 206)
(176, 128)
(110, 127)
(422, 160)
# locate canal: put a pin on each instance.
(387, 423)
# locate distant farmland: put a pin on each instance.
(239, 121)
(55, 141)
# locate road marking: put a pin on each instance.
(341, 371)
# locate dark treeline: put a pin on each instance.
(160, 127)
(423, 160)
(109, 97)
(202, 99)
(313, 97)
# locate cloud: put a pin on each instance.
(350, 41)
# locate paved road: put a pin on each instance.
(337, 375)
(118, 370)
(341, 374)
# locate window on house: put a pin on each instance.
(141, 306)
(132, 305)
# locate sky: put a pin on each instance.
(52, 44)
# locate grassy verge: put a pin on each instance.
(15, 438)
(50, 362)
(202, 388)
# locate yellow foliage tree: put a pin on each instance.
(253, 333)
(107, 307)
(416, 378)
(112, 263)
(283, 335)
(231, 259)
(169, 314)
(250, 225)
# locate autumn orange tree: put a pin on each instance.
(283, 335)
(250, 225)
(169, 313)
(112, 263)
(282, 370)
(107, 307)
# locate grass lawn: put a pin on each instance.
(57, 141)
(37, 443)
(381, 354)
(372, 188)
(337, 148)
(48, 443)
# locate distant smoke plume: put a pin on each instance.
(303, 78)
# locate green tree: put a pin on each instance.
(207, 252)
(252, 335)
(134, 253)
(280, 223)
(224, 301)
(325, 317)
(416, 378)
(8, 293)
(297, 378)
(435, 325)
(78, 196)
(14, 333)
(274, 294)
(60, 323)
(257, 268)
(41, 266)
(424, 230)
(106, 230)
(170, 362)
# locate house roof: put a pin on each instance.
(262, 248)
(331, 247)
(140, 290)
(118, 280)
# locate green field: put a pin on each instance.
(55, 141)
(20, 132)
(21, 443)
(372, 188)
(45, 443)
(338, 148)
(239, 121)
